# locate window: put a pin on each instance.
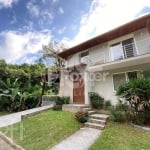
(84, 57)
(123, 49)
(83, 54)
(119, 79)
(116, 52)
(146, 73)
(128, 48)
(132, 75)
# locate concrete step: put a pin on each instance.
(91, 112)
(74, 107)
(86, 109)
(98, 121)
(99, 116)
(95, 125)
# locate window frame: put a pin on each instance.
(126, 76)
(120, 40)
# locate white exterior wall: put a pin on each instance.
(98, 54)
(106, 88)
(73, 60)
(142, 41)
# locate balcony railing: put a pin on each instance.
(140, 47)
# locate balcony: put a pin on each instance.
(121, 56)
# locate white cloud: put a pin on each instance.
(33, 9)
(61, 31)
(46, 1)
(105, 15)
(15, 44)
(43, 15)
(60, 10)
(7, 3)
(54, 1)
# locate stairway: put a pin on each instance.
(96, 120)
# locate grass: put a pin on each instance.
(122, 137)
(43, 130)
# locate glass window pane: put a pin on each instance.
(119, 79)
(116, 52)
(132, 75)
(146, 73)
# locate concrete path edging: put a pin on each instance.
(17, 117)
(141, 127)
(10, 142)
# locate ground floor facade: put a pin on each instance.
(79, 81)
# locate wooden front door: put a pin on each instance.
(78, 90)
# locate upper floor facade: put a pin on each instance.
(121, 47)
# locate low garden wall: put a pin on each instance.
(49, 99)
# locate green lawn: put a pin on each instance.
(122, 137)
(43, 130)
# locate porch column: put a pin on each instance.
(86, 85)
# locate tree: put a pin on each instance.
(15, 85)
(51, 51)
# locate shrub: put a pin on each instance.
(57, 107)
(82, 116)
(96, 100)
(117, 116)
(107, 104)
(137, 93)
(60, 100)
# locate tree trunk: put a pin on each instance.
(42, 93)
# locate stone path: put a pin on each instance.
(81, 140)
(16, 117)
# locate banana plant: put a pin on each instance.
(11, 92)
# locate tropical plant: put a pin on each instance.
(137, 93)
(11, 94)
(15, 98)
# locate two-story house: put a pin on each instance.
(104, 62)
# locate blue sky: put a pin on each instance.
(26, 25)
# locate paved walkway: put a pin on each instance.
(16, 117)
(4, 145)
(81, 140)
